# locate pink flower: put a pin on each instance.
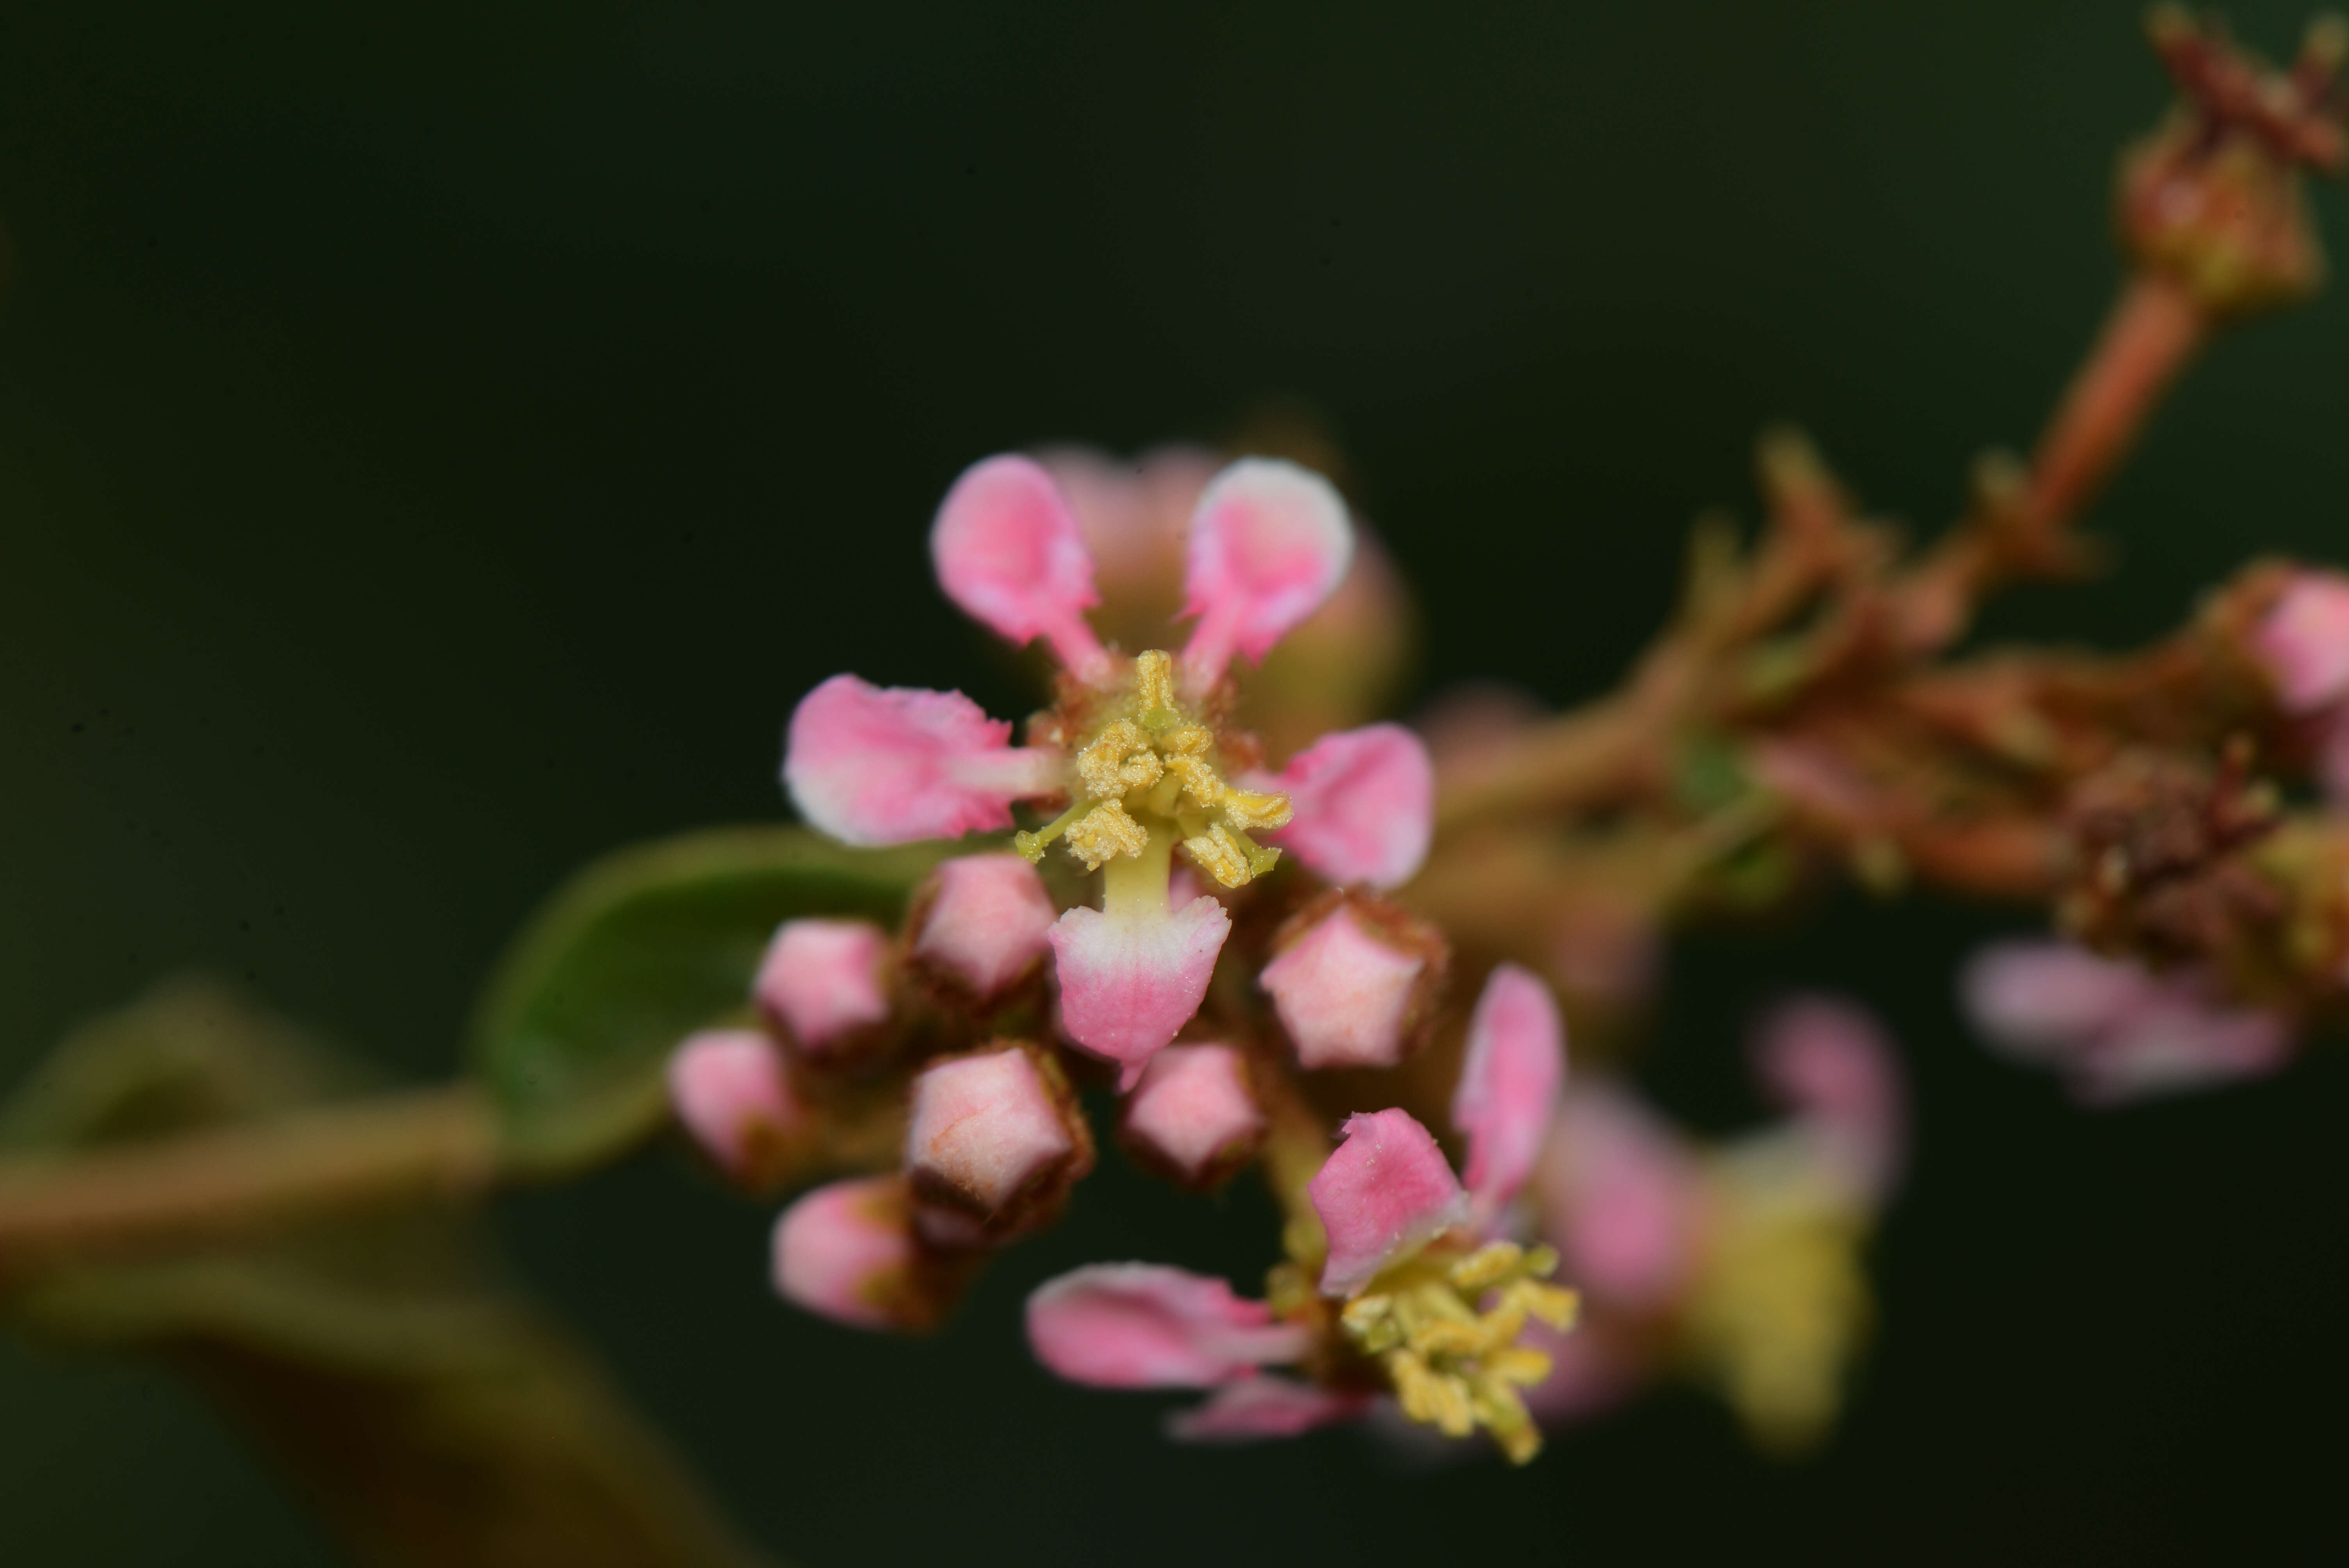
(983, 924)
(2117, 1031)
(1354, 983)
(730, 1091)
(1364, 804)
(821, 984)
(1139, 756)
(848, 1251)
(994, 1143)
(2304, 641)
(1193, 1116)
(1831, 1063)
(1142, 1325)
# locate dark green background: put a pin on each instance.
(438, 444)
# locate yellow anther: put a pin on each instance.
(1455, 1366)
(1488, 1265)
(1118, 759)
(1105, 833)
(1249, 809)
(1032, 844)
(1189, 740)
(1201, 782)
(1218, 856)
(1154, 686)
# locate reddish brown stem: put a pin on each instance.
(2152, 333)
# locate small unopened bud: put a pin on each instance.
(996, 1141)
(1192, 1117)
(2303, 641)
(982, 924)
(822, 985)
(731, 1091)
(1355, 981)
(849, 1252)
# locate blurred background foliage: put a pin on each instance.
(439, 444)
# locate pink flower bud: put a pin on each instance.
(1354, 985)
(1384, 1193)
(872, 766)
(2304, 641)
(1510, 1081)
(983, 924)
(1269, 543)
(1142, 1325)
(1363, 803)
(994, 1144)
(1008, 553)
(848, 1251)
(1131, 978)
(1265, 1406)
(730, 1089)
(822, 985)
(1193, 1117)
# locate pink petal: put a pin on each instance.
(730, 1091)
(872, 766)
(988, 1138)
(1142, 1325)
(1623, 1199)
(1831, 1063)
(1364, 805)
(2181, 1042)
(1008, 553)
(2043, 998)
(1269, 543)
(1344, 996)
(1510, 1085)
(1383, 1193)
(821, 982)
(847, 1252)
(1192, 1113)
(1130, 980)
(985, 920)
(1264, 1406)
(2304, 641)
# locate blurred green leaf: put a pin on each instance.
(431, 1415)
(637, 951)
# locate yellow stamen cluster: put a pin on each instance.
(1150, 767)
(1455, 1366)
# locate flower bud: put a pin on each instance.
(995, 1143)
(1355, 981)
(1192, 1117)
(731, 1091)
(822, 985)
(849, 1252)
(982, 925)
(2303, 641)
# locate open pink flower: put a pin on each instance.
(1137, 752)
(2114, 1030)
(1387, 1190)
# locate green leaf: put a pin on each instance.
(639, 950)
